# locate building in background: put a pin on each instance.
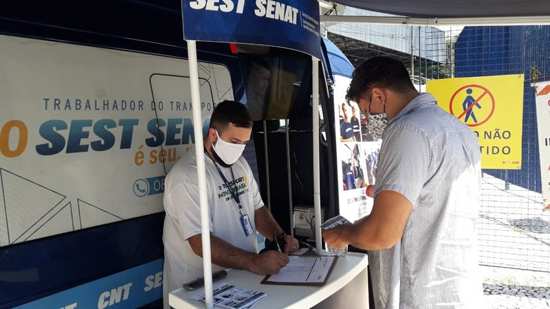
(419, 48)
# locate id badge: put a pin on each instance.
(245, 224)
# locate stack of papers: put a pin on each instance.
(229, 296)
(334, 222)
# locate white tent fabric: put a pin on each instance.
(454, 8)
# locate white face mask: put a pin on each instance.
(229, 153)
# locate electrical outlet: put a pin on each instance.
(304, 221)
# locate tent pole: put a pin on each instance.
(315, 133)
(412, 53)
(419, 61)
(199, 152)
(289, 177)
(266, 153)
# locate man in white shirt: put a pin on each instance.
(237, 211)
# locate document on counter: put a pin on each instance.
(228, 296)
(303, 270)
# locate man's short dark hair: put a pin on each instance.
(230, 112)
(381, 72)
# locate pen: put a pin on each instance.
(306, 244)
(277, 242)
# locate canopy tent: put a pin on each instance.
(454, 8)
(296, 26)
(292, 26)
(455, 12)
(339, 63)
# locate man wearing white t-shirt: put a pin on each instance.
(236, 208)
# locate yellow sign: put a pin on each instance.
(492, 106)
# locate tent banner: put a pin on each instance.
(282, 23)
(542, 92)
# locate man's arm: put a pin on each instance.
(403, 169)
(268, 227)
(382, 229)
(226, 255)
(264, 221)
(266, 224)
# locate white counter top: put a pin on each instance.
(278, 296)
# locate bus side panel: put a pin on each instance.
(87, 136)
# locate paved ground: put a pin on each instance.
(515, 302)
(514, 234)
(513, 229)
(510, 289)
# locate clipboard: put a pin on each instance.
(303, 271)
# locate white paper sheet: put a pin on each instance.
(304, 269)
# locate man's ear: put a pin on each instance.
(212, 135)
(378, 94)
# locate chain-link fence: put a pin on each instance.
(514, 231)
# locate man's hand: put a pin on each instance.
(291, 244)
(337, 238)
(369, 191)
(268, 263)
(380, 230)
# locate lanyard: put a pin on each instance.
(234, 193)
(244, 219)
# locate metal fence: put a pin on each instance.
(514, 231)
